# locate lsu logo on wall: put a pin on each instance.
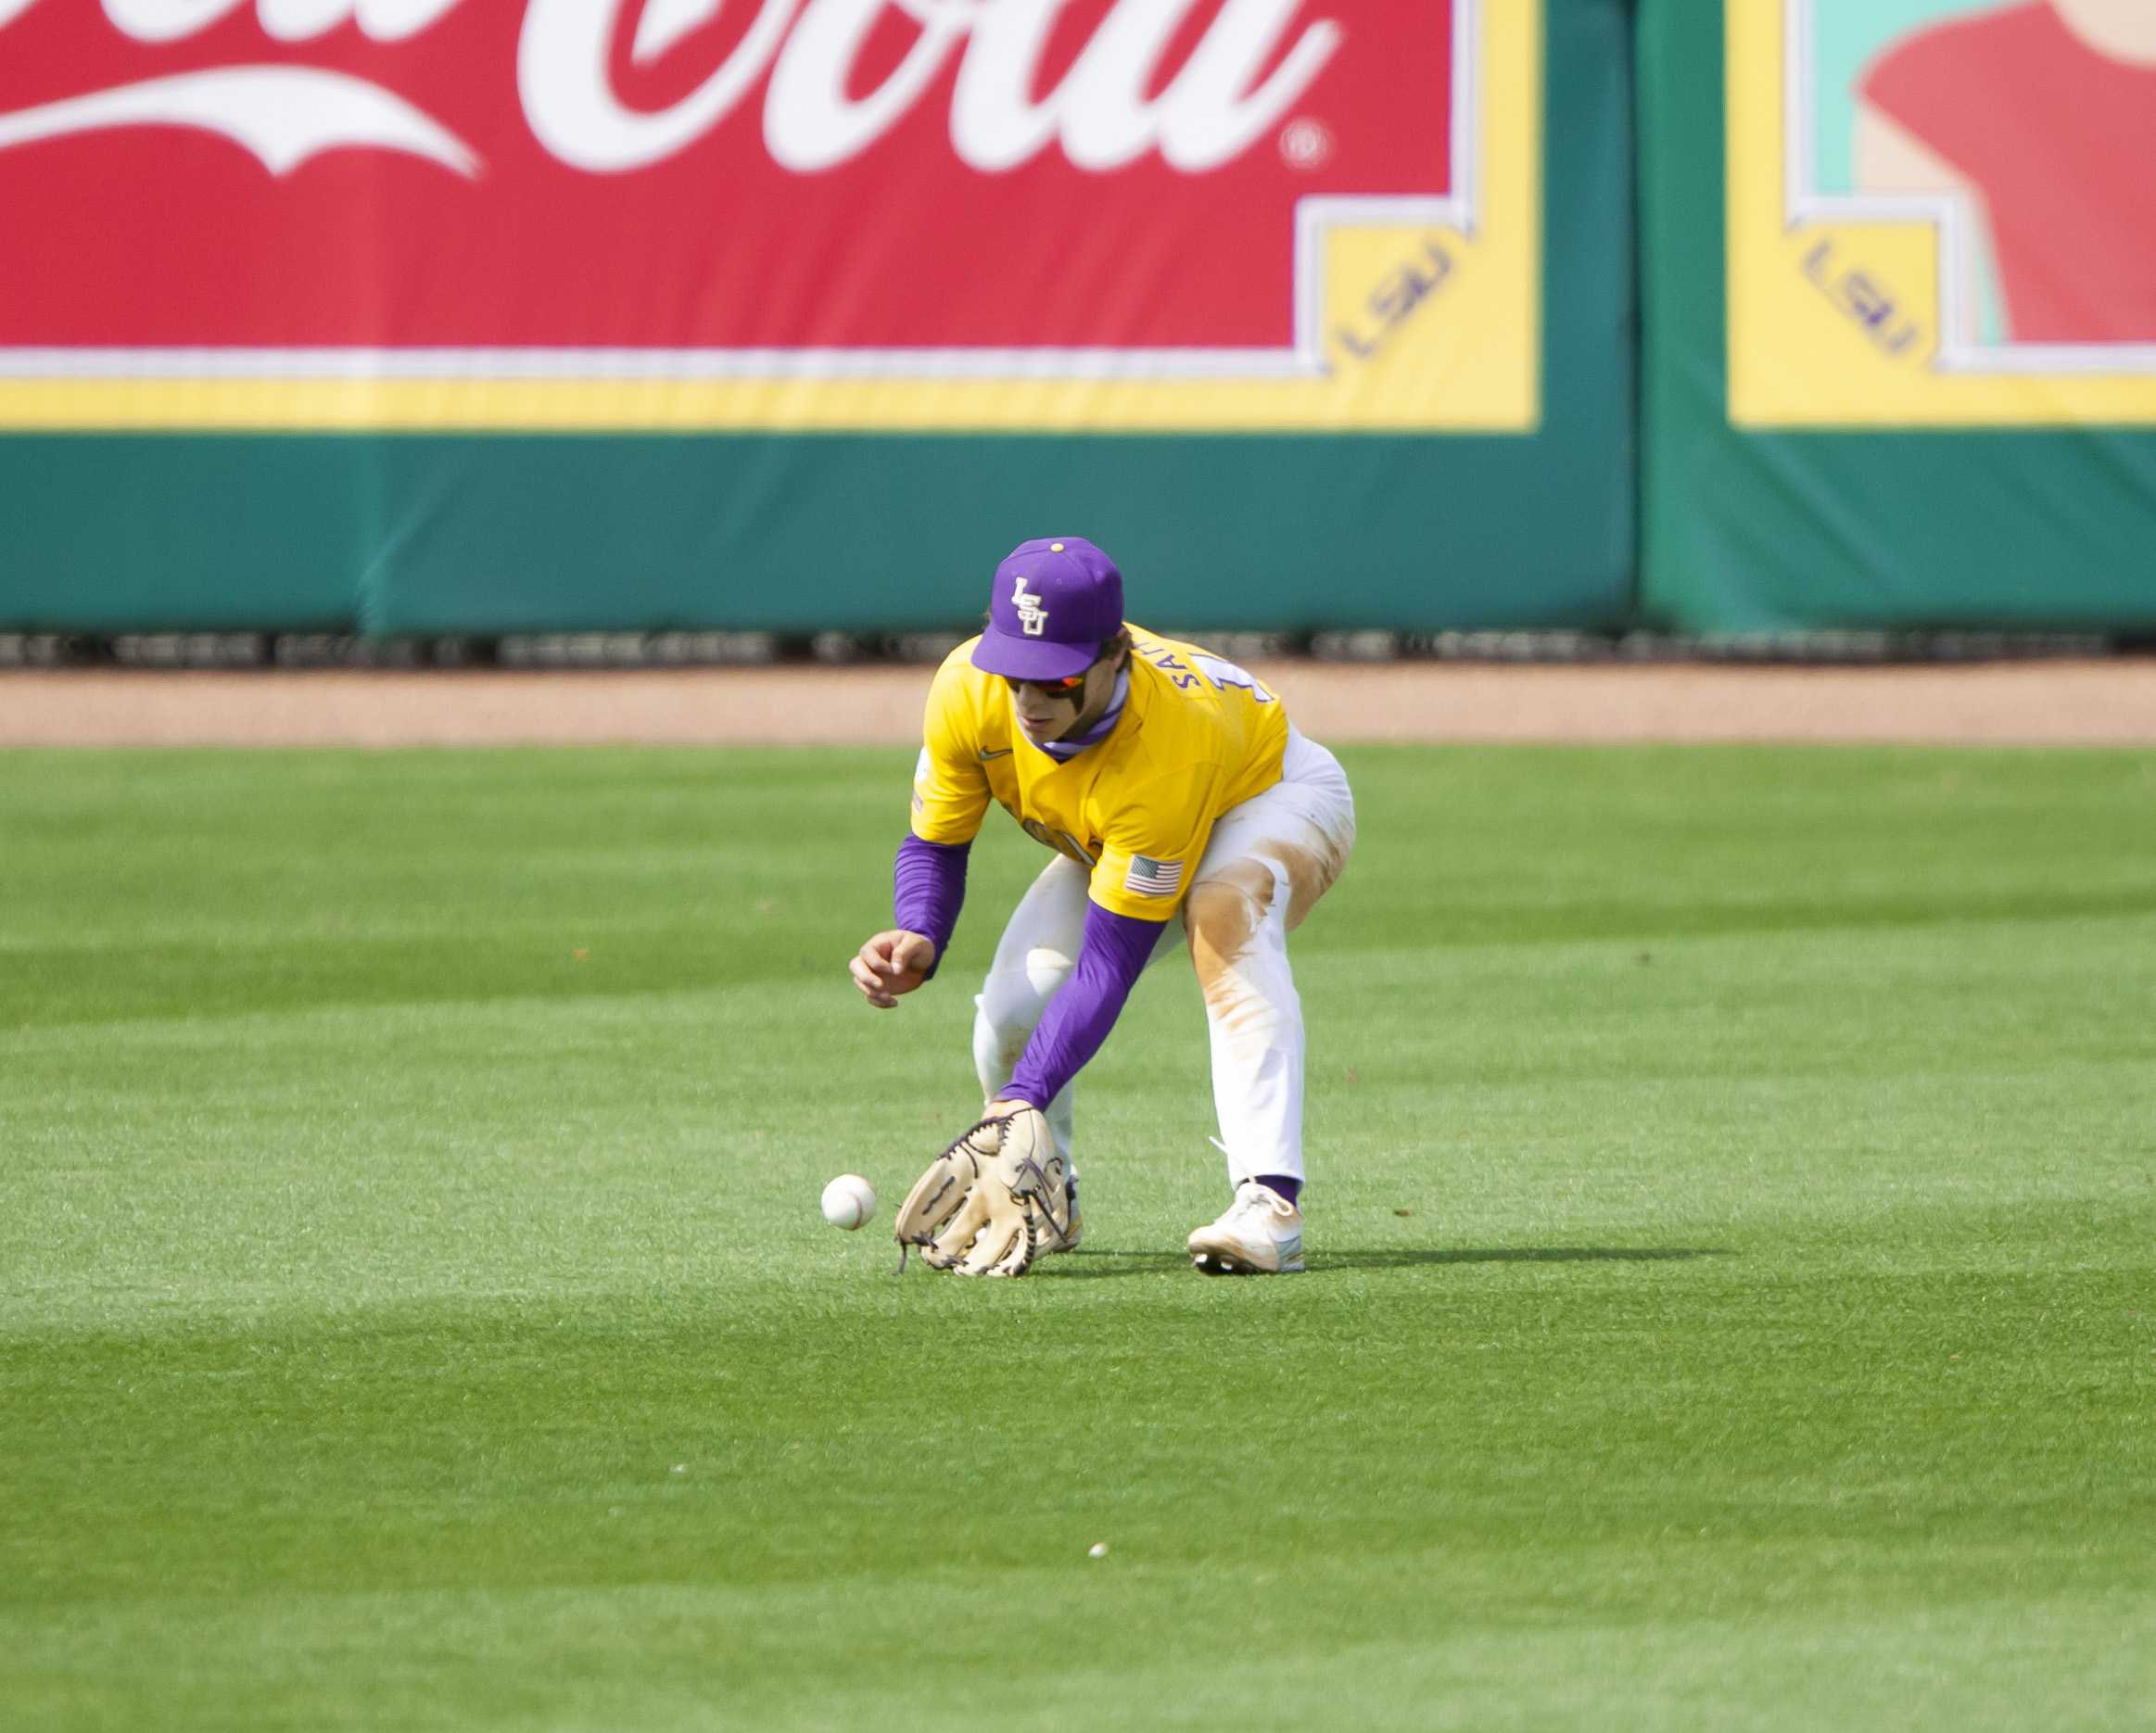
(1115, 215)
(1942, 212)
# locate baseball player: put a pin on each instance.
(1180, 806)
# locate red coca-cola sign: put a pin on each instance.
(781, 176)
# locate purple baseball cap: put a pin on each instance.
(1054, 603)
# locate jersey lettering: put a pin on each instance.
(1225, 673)
(1063, 842)
(1165, 661)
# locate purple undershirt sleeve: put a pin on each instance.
(1109, 957)
(928, 887)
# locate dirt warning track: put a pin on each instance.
(2092, 703)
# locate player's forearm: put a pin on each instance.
(928, 887)
(1111, 957)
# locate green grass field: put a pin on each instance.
(1731, 1303)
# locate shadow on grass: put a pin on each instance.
(1399, 1257)
(1089, 1264)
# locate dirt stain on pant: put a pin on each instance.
(1311, 873)
(1225, 910)
(1223, 915)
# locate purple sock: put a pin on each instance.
(1287, 1188)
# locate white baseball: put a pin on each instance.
(848, 1201)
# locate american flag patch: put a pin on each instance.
(1151, 877)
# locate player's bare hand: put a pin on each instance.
(890, 964)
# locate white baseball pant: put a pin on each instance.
(1267, 861)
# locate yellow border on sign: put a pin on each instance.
(1835, 323)
(1426, 327)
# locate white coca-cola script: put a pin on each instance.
(1218, 102)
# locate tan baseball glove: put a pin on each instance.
(992, 1202)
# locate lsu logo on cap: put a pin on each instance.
(1031, 617)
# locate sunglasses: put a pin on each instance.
(1068, 687)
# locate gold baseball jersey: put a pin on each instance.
(1197, 736)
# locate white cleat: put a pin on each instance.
(1260, 1235)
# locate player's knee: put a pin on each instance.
(1311, 873)
(1013, 1000)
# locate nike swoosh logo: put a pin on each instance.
(986, 754)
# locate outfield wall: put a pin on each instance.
(576, 344)
(512, 320)
(1898, 262)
